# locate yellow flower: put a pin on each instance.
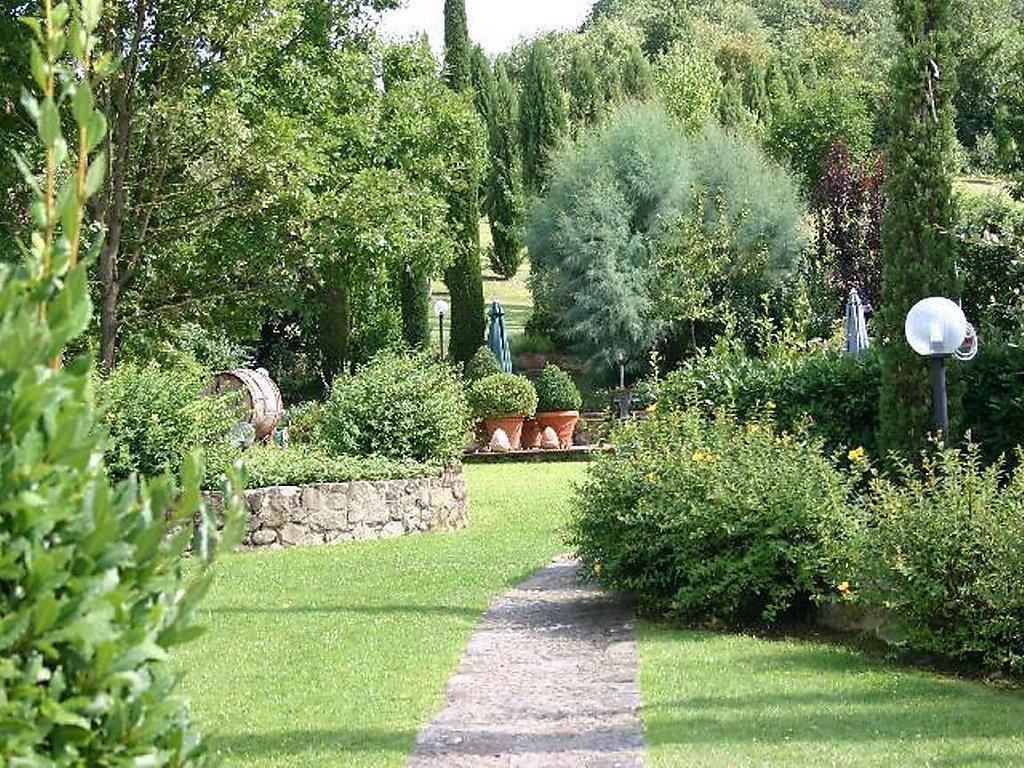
(597, 568)
(844, 588)
(703, 457)
(857, 455)
(770, 405)
(650, 477)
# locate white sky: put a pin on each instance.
(495, 24)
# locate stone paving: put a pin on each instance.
(548, 680)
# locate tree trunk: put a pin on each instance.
(415, 290)
(335, 327)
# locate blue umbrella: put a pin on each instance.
(856, 325)
(497, 338)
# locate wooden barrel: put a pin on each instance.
(261, 398)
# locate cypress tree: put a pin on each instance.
(504, 190)
(755, 90)
(918, 255)
(586, 98)
(637, 80)
(542, 117)
(457, 56)
(463, 277)
(483, 84)
(731, 111)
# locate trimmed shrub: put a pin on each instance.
(481, 365)
(944, 555)
(270, 465)
(711, 521)
(556, 391)
(155, 416)
(399, 406)
(502, 394)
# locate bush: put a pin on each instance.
(94, 591)
(304, 422)
(712, 521)
(399, 406)
(556, 391)
(155, 416)
(990, 238)
(833, 396)
(944, 555)
(481, 365)
(502, 394)
(270, 465)
(643, 229)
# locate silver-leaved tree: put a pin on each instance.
(94, 590)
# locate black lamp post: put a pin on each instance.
(936, 329)
(622, 397)
(441, 309)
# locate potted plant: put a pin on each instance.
(502, 401)
(558, 403)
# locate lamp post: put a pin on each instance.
(622, 397)
(936, 329)
(441, 309)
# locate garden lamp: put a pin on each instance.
(441, 309)
(936, 329)
(622, 398)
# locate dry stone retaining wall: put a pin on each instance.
(328, 513)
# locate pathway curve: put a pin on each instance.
(548, 680)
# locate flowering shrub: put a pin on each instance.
(712, 521)
(943, 552)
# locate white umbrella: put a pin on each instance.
(856, 325)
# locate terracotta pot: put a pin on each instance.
(513, 426)
(563, 422)
(531, 434)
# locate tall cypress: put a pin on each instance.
(463, 277)
(483, 84)
(918, 254)
(586, 97)
(542, 116)
(504, 189)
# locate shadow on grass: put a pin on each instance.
(257, 745)
(368, 610)
(829, 696)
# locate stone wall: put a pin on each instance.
(328, 513)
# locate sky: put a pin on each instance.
(495, 24)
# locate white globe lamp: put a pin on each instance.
(936, 328)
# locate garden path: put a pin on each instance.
(549, 679)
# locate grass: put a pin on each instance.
(732, 700)
(336, 656)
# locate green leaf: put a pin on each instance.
(49, 122)
(92, 11)
(96, 174)
(82, 103)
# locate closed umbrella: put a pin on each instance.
(856, 325)
(497, 338)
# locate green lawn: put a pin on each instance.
(335, 656)
(730, 700)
